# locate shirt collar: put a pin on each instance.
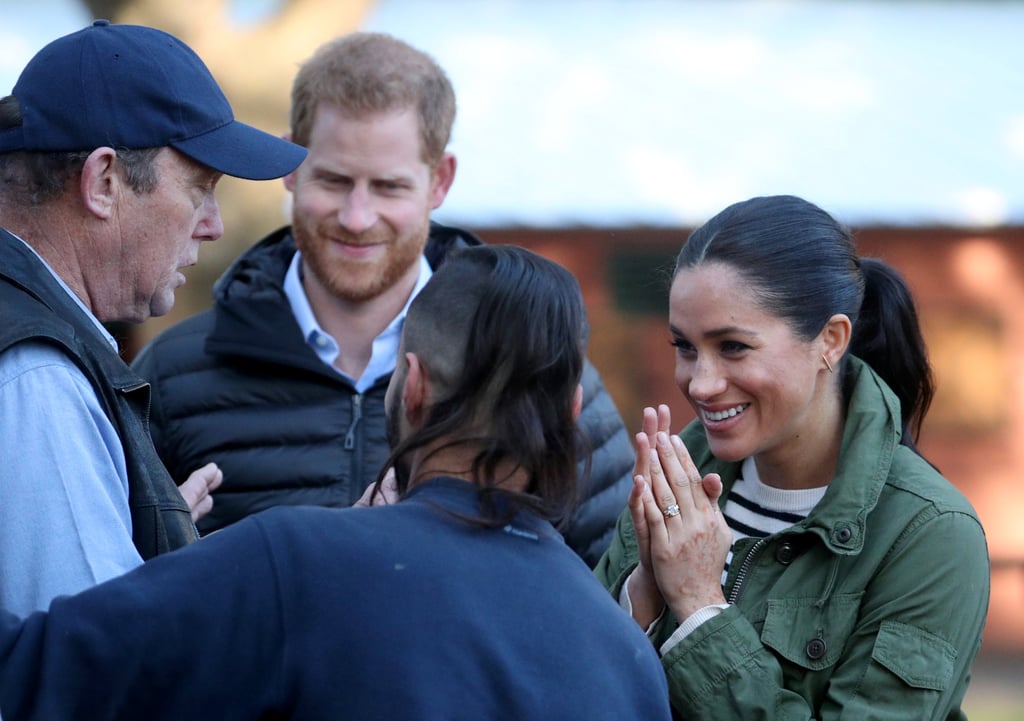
(385, 345)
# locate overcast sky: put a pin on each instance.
(611, 112)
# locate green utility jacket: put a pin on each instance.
(870, 608)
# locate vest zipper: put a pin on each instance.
(357, 415)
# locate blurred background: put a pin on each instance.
(599, 132)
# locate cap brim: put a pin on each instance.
(243, 151)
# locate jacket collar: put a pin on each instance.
(70, 324)
(24, 268)
(463, 498)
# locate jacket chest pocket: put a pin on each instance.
(809, 632)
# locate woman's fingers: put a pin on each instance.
(654, 516)
(712, 484)
(639, 516)
(642, 455)
(648, 427)
(664, 419)
(654, 421)
(662, 494)
(684, 477)
(677, 470)
(649, 424)
(687, 550)
(676, 496)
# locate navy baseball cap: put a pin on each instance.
(129, 86)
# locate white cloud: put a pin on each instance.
(671, 183)
(983, 206)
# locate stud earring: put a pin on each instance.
(827, 364)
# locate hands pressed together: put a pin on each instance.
(682, 537)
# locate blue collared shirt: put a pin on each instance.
(385, 346)
(64, 518)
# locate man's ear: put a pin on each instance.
(416, 391)
(577, 402)
(289, 180)
(441, 181)
(100, 182)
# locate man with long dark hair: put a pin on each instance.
(460, 600)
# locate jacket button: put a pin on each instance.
(816, 648)
(785, 553)
(843, 535)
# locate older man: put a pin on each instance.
(111, 146)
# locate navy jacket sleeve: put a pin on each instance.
(106, 650)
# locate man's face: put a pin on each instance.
(362, 201)
(160, 233)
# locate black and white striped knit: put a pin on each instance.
(755, 510)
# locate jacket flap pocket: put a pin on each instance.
(920, 658)
(809, 632)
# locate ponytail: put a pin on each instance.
(887, 337)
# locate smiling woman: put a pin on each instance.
(842, 546)
(751, 380)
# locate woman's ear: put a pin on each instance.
(835, 338)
